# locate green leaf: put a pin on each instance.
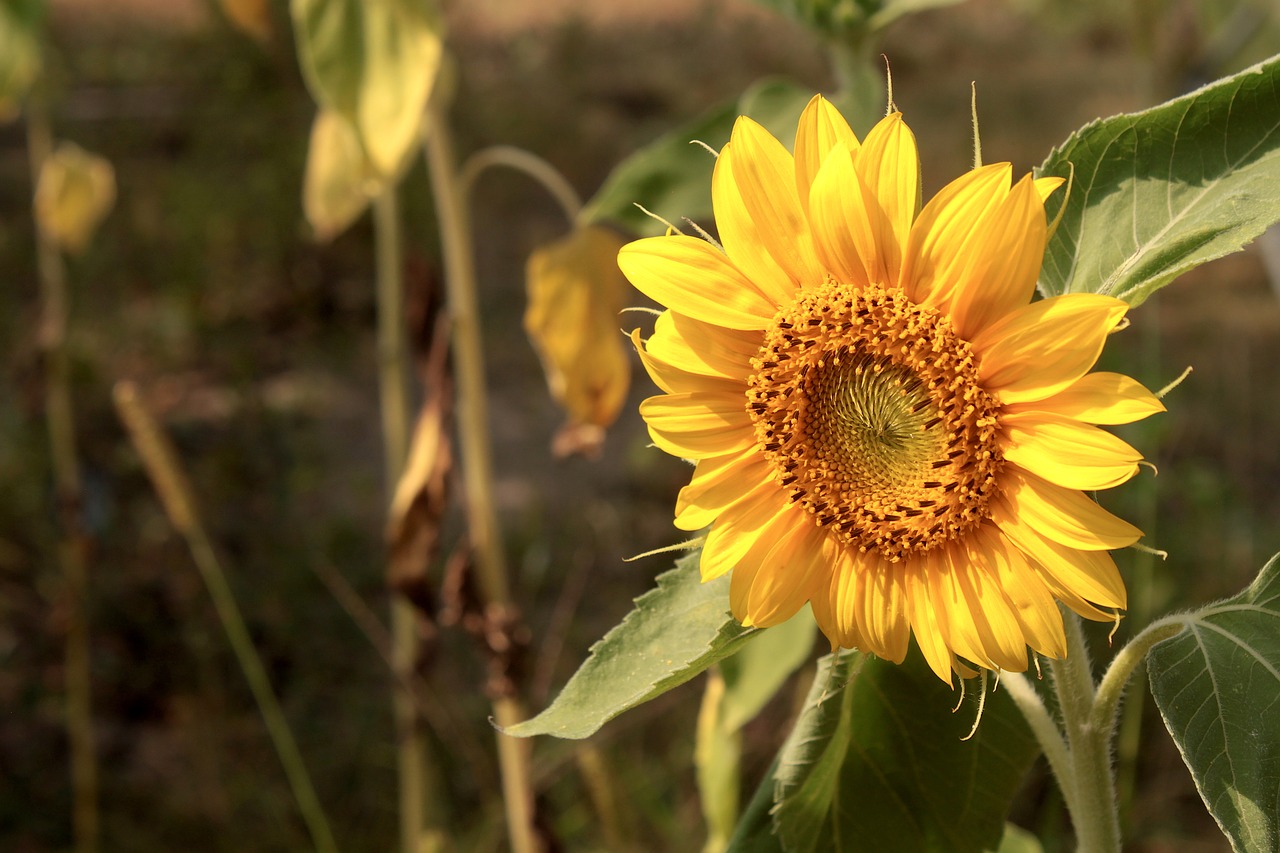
(675, 632)
(671, 176)
(876, 762)
(1159, 192)
(374, 62)
(1217, 685)
(1018, 840)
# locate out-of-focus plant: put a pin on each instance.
(75, 191)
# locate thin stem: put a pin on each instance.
(1093, 805)
(473, 423)
(1044, 729)
(393, 388)
(171, 483)
(1116, 678)
(72, 539)
(529, 163)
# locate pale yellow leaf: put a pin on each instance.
(339, 182)
(75, 191)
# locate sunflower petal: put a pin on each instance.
(1067, 453)
(764, 173)
(994, 616)
(703, 347)
(848, 574)
(719, 483)
(1005, 261)
(695, 278)
(698, 424)
(789, 575)
(934, 257)
(1033, 605)
(926, 622)
(1046, 346)
(1090, 575)
(821, 129)
(881, 610)
(739, 528)
(743, 241)
(889, 166)
(1066, 516)
(673, 379)
(1098, 398)
(847, 221)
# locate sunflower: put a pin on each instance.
(884, 424)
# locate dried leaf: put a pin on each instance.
(251, 17)
(75, 191)
(575, 292)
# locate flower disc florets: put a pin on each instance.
(869, 407)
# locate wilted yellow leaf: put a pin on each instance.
(374, 62)
(575, 292)
(75, 191)
(251, 17)
(339, 182)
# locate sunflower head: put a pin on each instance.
(884, 424)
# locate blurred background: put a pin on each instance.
(255, 345)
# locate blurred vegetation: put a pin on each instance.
(256, 346)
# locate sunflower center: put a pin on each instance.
(869, 407)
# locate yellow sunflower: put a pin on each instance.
(884, 424)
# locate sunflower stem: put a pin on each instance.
(1090, 791)
(1111, 689)
(542, 172)
(473, 429)
(1046, 731)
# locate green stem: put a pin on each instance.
(393, 388)
(171, 483)
(73, 541)
(528, 163)
(473, 429)
(1092, 803)
(1116, 679)
(1044, 729)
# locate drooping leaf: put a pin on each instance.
(675, 632)
(75, 192)
(671, 176)
(1217, 685)
(20, 22)
(374, 62)
(876, 762)
(251, 17)
(339, 182)
(574, 293)
(1159, 192)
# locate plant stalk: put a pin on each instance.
(171, 483)
(393, 386)
(1092, 802)
(73, 542)
(473, 428)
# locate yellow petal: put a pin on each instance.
(935, 256)
(994, 617)
(821, 601)
(737, 530)
(1046, 186)
(1088, 574)
(1033, 605)
(743, 242)
(881, 609)
(1066, 516)
(821, 129)
(704, 347)
(926, 623)
(1065, 452)
(676, 380)
(1042, 348)
(699, 424)
(1098, 398)
(846, 221)
(764, 173)
(788, 575)
(1005, 261)
(847, 577)
(889, 166)
(693, 277)
(718, 483)
(951, 603)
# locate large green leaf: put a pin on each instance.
(1217, 685)
(671, 176)
(373, 62)
(876, 762)
(675, 632)
(1159, 192)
